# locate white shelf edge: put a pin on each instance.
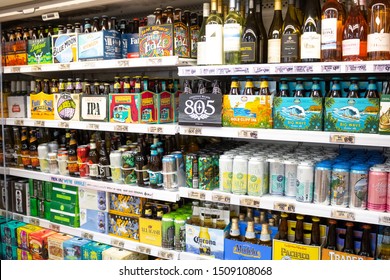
(98, 185)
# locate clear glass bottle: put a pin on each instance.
(202, 45)
(311, 32)
(378, 39)
(232, 31)
(214, 36)
(291, 36)
(275, 34)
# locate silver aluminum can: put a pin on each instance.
(169, 171)
(276, 176)
(257, 176)
(290, 177)
(358, 186)
(340, 185)
(305, 182)
(322, 183)
(225, 173)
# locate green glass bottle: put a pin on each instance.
(291, 33)
(250, 44)
(214, 36)
(263, 37)
(275, 34)
(232, 31)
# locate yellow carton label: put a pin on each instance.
(284, 250)
(42, 106)
(150, 232)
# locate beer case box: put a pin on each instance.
(21, 197)
(93, 199)
(38, 243)
(125, 226)
(23, 234)
(17, 106)
(93, 250)
(333, 255)
(126, 204)
(42, 106)
(94, 220)
(6, 195)
(182, 42)
(72, 248)
(64, 48)
(125, 108)
(175, 106)
(15, 53)
(65, 194)
(130, 45)
(165, 105)
(65, 214)
(9, 252)
(101, 45)
(39, 51)
(156, 41)
(40, 208)
(23, 255)
(55, 245)
(114, 253)
(384, 115)
(150, 231)
(94, 108)
(67, 106)
(33, 207)
(36, 188)
(48, 189)
(8, 232)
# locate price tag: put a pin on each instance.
(284, 207)
(284, 69)
(262, 70)
(381, 67)
(342, 138)
(39, 123)
(3, 213)
(223, 198)
(193, 131)
(123, 63)
(384, 220)
(250, 134)
(331, 68)
(54, 227)
(250, 202)
(87, 235)
(89, 64)
(356, 68)
(303, 69)
(34, 221)
(19, 122)
(15, 70)
(154, 61)
(36, 68)
(196, 195)
(121, 128)
(18, 217)
(63, 124)
(117, 243)
(156, 129)
(63, 66)
(143, 250)
(344, 215)
(165, 255)
(93, 126)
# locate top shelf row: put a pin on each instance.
(187, 68)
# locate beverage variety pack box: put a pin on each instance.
(39, 51)
(38, 244)
(125, 108)
(150, 231)
(130, 45)
(101, 45)
(93, 199)
(165, 104)
(384, 115)
(8, 232)
(67, 106)
(65, 48)
(123, 226)
(17, 106)
(126, 204)
(65, 194)
(55, 245)
(6, 195)
(42, 106)
(9, 252)
(156, 41)
(65, 214)
(94, 108)
(94, 220)
(15, 53)
(23, 234)
(72, 248)
(93, 250)
(23, 255)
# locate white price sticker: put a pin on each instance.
(193, 131)
(250, 202)
(93, 126)
(34, 221)
(284, 207)
(63, 124)
(251, 134)
(155, 129)
(143, 250)
(123, 63)
(121, 128)
(331, 68)
(165, 255)
(221, 198)
(15, 70)
(36, 68)
(39, 123)
(154, 61)
(54, 227)
(384, 220)
(342, 138)
(89, 64)
(63, 66)
(196, 195)
(18, 217)
(344, 215)
(117, 243)
(19, 122)
(87, 235)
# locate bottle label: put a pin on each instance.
(290, 46)
(214, 38)
(194, 34)
(351, 47)
(274, 46)
(250, 235)
(93, 170)
(378, 42)
(329, 33)
(310, 45)
(182, 42)
(248, 52)
(232, 37)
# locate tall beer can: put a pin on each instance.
(305, 182)
(377, 189)
(206, 170)
(290, 177)
(340, 185)
(257, 176)
(322, 182)
(169, 173)
(276, 176)
(180, 168)
(116, 165)
(225, 173)
(215, 157)
(358, 185)
(240, 175)
(192, 171)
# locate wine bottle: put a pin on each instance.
(311, 33)
(214, 36)
(232, 31)
(202, 44)
(378, 39)
(300, 7)
(250, 43)
(275, 34)
(263, 40)
(332, 24)
(291, 33)
(355, 35)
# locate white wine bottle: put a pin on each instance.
(275, 34)
(214, 36)
(291, 35)
(232, 31)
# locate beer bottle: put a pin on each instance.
(158, 14)
(42, 32)
(241, 217)
(187, 89)
(148, 211)
(73, 166)
(372, 90)
(234, 87)
(33, 147)
(46, 86)
(123, 29)
(349, 244)
(78, 88)
(263, 217)
(265, 237)
(264, 89)
(50, 31)
(271, 222)
(34, 35)
(195, 217)
(112, 24)
(234, 233)
(202, 87)
(299, 230)
(87, 25)
(299, 89)
(104, 25)
(140, 162)
(25, 151)
(104, 163)
(154, 167)
(331, 238)
(95, 24)
(365, 246)
(26, 34)
(315, 232)
(169, 12)
(335, 91)
(54, 86)
(384, 253)
(256, 219)
(250, 235)
(353, 89)
(216, 87)
(93, 161)
(249, 214)
(204, 247)
(316, 89)
(249, 88)
(284, 91)
(159, 212)
(17, 147)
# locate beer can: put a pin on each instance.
(340, 184)
(181, 175)
(322, 182)
(82, 159)
(180, 233)
(43, 154)
(290, 177)
(225, 173)
(257, 173)
(206, 170)
(129, 175)
(192, 171)
(358, 184)
(377, 189)
(116, 166)
(53, 147)
(62, 158)
(240, 175)
(168, 231)
(305, 182)
(53, 163)
(276, 176)
(215, 157)
(169, 171)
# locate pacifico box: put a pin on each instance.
(64, 48)
(39, 51)
(130, 45)
(23, 234)
(93, 199)
(94, 108)
(17, 106)
(55, 245)
(125, 108)
(94, 220)
(67, 106)
(126, 204)
(150, 231)
(384, 115)
(38, 244)
(156, 40)
(8, 232)
(24, 255)
(101, 45)
(93, 251)
(42, 106)
(124, 226)
(65, 214)
(72, 248)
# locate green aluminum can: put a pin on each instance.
(168, 231)
(206, 172)
(192, 171)
(128, 167)
(180, 233)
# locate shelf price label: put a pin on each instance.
(304, 69)
(54, 227)
(221, 198)
(356, 68)
(250, 202)
(262, 70)
(123, 63)
(197, 195)
(18, 217)
(93, 126)
(330, 68)
(63, 124)
(381, 67)
(19, 122)
(193, 131)
(15, 70)
(154, 61)
(156, 129)
(250, 134)
(342, 214)
(284, 207)
(89, 64)
(143, 250)
(63, 66)
(165, 255)
(384, 220)
(284, 69)
(36, 68)
(39, 123)
(87, 235)
(342, 138)
(117, 243)
(35, 221)
(121, 128)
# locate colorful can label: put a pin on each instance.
(225, 173)
(257, 174)
(128, 168)
(240, 175)
(168, 232)
(192, 171)
(305, 182)
(322, 179)
(377, 189)
(215, 158)
(358, 188)
(340, 186)
(290, 178)
(82, 159)
(206, 171)
(388, 190)
(276, 177)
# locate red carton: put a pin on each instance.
(38, 244)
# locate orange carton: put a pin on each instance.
(38, 244)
